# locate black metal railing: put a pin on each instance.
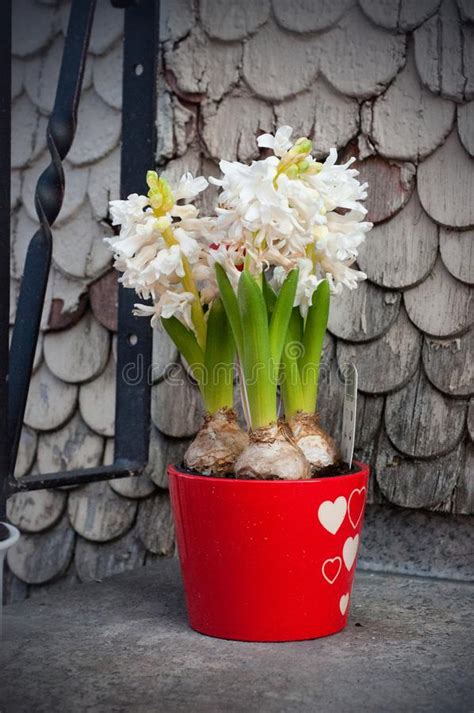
(132, 418)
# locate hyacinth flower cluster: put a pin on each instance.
(249, 286)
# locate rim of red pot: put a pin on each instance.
(363, 470)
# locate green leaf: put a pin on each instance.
(187, 345)
(229, 300)
(256, 357)
(269, 296)
(290, 377)
(315, 329)
(281, 316)
(219, 360)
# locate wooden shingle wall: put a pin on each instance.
(390, 82)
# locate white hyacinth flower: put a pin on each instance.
(280, 143)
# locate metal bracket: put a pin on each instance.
(138, 155)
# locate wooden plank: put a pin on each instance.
(387, 363)
(79, 353)
(155, 524)
(446, 184)
(441, 306)
(40, 558)
(98, 514)
(51, 401)
(95, 561)
(449, 364)
(401, 252)
(363, 314)
(413, 483)
(432, 424)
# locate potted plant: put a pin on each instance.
(268, 522)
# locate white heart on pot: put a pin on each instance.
(356, 506)
(343, 603)
(349, 551)
(331, 569)
(331, 514)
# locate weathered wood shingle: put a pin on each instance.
(421, 422)
(441, 306)
(387, 363)
(401, 252)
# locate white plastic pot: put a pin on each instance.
(4, 546)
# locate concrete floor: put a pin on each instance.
(124, 646)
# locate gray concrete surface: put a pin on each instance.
(124, 646)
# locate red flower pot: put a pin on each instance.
(268, 560)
